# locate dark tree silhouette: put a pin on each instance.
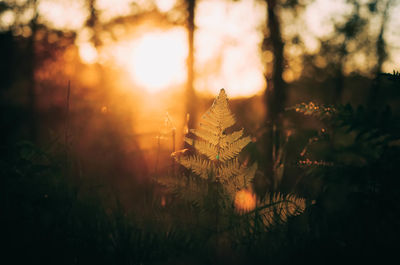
(190, 93)
(381, 54)
(31, 73)
(93, 22)
(26, 32)
(275, 93)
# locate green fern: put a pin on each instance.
(217, 151)
(278, 208)
(216, 160)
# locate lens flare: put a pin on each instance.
(245, 201)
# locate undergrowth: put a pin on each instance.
(345, 168)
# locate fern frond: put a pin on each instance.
(233, 149)
(206, 135)
(205, 148)
(209, 128)
(240, 178)
(220, 150)
(198, 165)
(229, 169)
(210, 118)
(277, 208)
(247, 175)
(219, 115)
(225, 117)
(231, 138)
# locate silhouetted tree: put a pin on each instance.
(275, 93)
(28, 31)
(31, 59)
(353, 35)
(190, 93)
(381, 51)
(93, 22)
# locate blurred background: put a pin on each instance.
(118, 83)
(99, 93)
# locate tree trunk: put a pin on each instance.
(190, 93)
(93, 22)
(275, 94)
(339, 82)
(381, 54)
(31, 62)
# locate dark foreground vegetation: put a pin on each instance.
(346, 167)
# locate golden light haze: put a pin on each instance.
(156, 60)
(227, 42)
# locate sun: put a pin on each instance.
(157, 60)
(88, 53)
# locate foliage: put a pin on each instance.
(350, 208)
(283, 207)
(49, 217)
(351, 173)
(217, 159)
(395, 76)
(218, 162)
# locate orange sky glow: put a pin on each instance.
(227, 42)
(156, 60)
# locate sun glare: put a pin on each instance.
(154, 61)
(227, 47)
(157, 60)
(88, 53)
